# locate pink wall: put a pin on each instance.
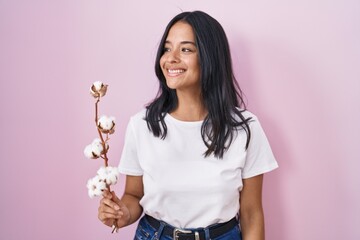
(297, 62)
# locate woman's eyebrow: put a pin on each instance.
(182, 42)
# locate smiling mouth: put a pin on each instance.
(175, 72)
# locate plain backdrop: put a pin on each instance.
(296, 61)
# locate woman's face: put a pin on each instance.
(179, 62)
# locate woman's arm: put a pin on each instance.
(251, 211)
(125, 210)
(134, 191)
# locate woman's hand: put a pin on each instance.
(112, 210)
(126, 211)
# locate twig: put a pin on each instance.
(100, 134)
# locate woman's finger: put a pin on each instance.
(117, 200)
(109, 210)
(105, 216)
(110, 203)
(107, 194)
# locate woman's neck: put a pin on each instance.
(190, 108)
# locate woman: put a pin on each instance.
(195, 155)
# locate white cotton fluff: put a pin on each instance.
(95, 149)
(109, 174)
(97, 85)
(88, 152)
(95, 186)
(106, 124)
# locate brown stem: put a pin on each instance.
(115, 228)
(100, 134)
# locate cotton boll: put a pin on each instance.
(97, 147)
(98, 89)
(106, 124)
(88, 152)
(109, 174)
(97, 143)
(113, 175)
(93, 151)
(102, 173)
(95, 186)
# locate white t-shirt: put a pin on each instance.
(181, 186)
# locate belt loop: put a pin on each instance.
(159, 231)
(207, 234)
(197, 236)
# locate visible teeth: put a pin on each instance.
(176, 70)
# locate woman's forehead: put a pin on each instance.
(181, 32)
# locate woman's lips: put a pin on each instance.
(175, 72)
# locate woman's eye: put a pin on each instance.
(166, 49)
(186, 50)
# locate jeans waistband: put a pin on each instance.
(193, 234)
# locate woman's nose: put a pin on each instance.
(173, 57)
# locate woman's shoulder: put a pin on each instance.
(138, 117)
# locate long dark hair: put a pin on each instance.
(221, 93)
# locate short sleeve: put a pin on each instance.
(129, 162)
(259, 157)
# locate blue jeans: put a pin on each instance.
(145, 231)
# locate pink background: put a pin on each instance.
(297, 62)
